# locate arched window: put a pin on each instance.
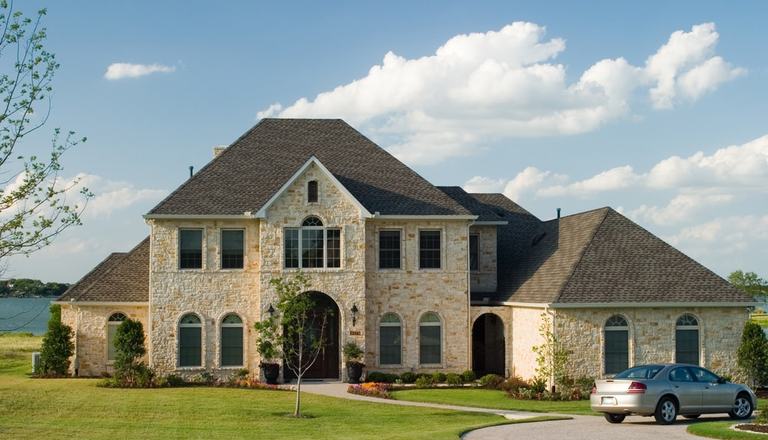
(312, 245)
(312, 195)
(687, 339)
(113, 322)
(616, 344)
(232, 341)
(390, 340)
(429, 339)
(190, 341)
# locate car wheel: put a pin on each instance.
(742, 408)
(692, 416)
(614, 418)
(666, 411)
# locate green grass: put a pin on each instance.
(722, 430)
(77, 408)
(761, 319)
(491, 399)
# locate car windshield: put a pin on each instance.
(642, 372)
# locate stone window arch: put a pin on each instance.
(687, 339)
(616, 344)
(231, 342)
(430, 339)
(190, 341)
(390, 339)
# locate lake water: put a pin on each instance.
(24, 314)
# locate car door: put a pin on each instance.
(716, 397)
(688, 391)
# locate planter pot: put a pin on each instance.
(354, 371)
(271, 372)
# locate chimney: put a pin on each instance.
(558, 213)
(218, 149)
(191, 171)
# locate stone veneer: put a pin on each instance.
(485, 278)
(90, 325)
(651, 336)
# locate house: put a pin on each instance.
(425, 278)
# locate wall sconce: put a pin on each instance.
(354, 314)
(271, 311)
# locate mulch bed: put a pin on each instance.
(752, 427)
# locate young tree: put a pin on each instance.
(551, 356)
(129, 348)
(752, 356)
(57, 346)
(33, 205)
(303, 328)
(751, 283)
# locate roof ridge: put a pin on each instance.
(579, 213)
(583, 251)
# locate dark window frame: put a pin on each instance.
(385, 260)
(474, 263)
(313, 191)
(231, 328)
(329, 257)
(688, 331)
(427, 259)
(185, 331)
(187, 262)
(229, 262)
(424, 326)
(396, 329)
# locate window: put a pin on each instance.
(390, 337)
(474, 253)
(312, 195)
(616, 344)
(687, 340)
(642, 372)
(113, 323)
(190, 248)
(703, 375)
(232, 341)
(312, 245)
(232, 248)
(680, 374)
(429, 339)
(389, 249)
(429, 249)
(190, 341)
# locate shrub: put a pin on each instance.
(468, 376)
(408, 377)
(173, 380)
(453, 379)
(538, 385)
(371, 389)
(752, 355)
(377, 376)
(241, 373)
(352, 352)
(57, 346)
(129, 348)
(762, 418)
(513, 384)
(491, 381)
(425, 381)
(438, 377)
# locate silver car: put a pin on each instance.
(666, 390)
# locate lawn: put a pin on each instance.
(491, 399)
(77, 408)
(722, 430)
(760, 318)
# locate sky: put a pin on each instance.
(657, 109)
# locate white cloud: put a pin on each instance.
(610, 180)
(481, 87)
(111, 196)
(681, 208)
(117, 71)
(724, 235)
(479, 184)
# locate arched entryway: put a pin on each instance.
(488, 352)
(327, 364)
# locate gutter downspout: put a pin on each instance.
(469, 304)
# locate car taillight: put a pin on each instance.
(594, 389)
(637, 388)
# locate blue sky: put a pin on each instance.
(554, 141)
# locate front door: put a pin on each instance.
(327, 364)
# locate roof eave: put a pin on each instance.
(653, 304)
(243, 216)
(101, 303)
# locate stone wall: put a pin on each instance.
(651, 336)
(90, 326)
(485, 279)
(410, 292)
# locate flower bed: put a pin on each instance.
(371, 389)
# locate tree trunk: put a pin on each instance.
(297, 409)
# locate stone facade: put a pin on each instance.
(651, 336)
(90, 325)
(485, 278)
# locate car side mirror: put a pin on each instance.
(721, 380)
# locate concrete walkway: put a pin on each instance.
(339, 389)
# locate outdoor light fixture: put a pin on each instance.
(271, 310)
(354, 314)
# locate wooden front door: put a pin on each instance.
(327, 364)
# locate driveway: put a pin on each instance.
(590, 428)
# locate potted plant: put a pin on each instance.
(352, 356)
(267, 349)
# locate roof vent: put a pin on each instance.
(538, 238)
(218, 149)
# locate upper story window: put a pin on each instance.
(429, 249)
(474, 252)
(312, 245)
(389, 249)
(232, 248)
(312, 194)
(190, 248)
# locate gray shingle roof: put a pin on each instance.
(246, 175)
(121, 277)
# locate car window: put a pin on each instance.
(641, 372)
(680, 375)
(703, 375)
